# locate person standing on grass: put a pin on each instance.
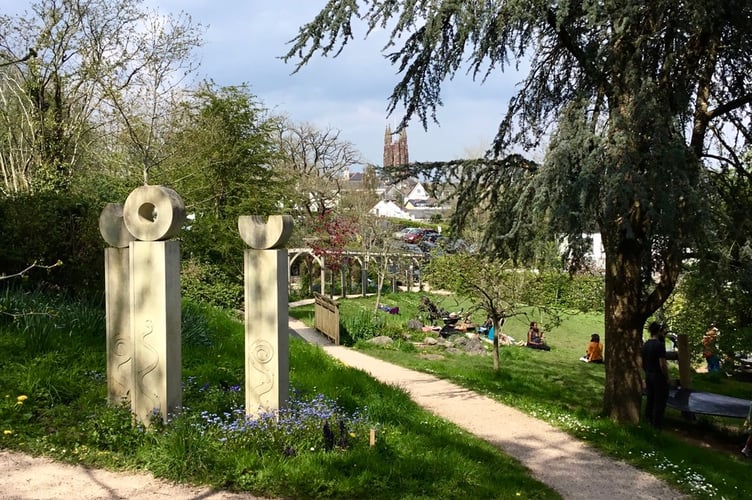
(656, 374)
(710, 350)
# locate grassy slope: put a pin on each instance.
(558, 387)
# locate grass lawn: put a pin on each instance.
(701, 457)
(53, 392)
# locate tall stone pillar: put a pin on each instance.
(117, 304)
(154, 214)
(267, 356)
(143, 299)
(155, 326)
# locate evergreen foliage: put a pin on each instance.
(636, 98)
(221, 146)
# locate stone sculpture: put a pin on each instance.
(142, 283)
(267, 359)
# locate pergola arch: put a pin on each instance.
(363, 258)
(294, 253)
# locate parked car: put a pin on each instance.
(410, 248)
(417, 234)
(434, 245)
(434, 238)
(400, 235)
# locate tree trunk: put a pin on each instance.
(624, 321)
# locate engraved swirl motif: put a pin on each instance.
(142, 373)
(262, 352)
(121, 352)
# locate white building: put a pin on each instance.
(388, 208)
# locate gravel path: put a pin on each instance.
(570, 467)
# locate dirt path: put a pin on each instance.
(30, 478)
(570, 467)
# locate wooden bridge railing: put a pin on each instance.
(326, 317)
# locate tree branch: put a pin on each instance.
(730, 106)
(29, 268)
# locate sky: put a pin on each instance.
(245, 38)
(243, 42)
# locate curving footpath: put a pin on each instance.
(567, 465)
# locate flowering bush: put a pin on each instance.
(330, 235)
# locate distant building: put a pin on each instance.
(355, 181)
(395, 152)
(595, 256)
(407, 199)
(387, 208)
(416, 193)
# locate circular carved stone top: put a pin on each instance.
(261, 235)
(153, 213)
(112, 227)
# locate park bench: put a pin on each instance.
(706, 403)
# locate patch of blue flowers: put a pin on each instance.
(310, 424)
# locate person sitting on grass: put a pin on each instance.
(594, 352)
(488, 330)
(535, 338)
(486, 327)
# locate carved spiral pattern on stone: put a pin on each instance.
(122, 352)
(262, 351)
(149, 367)
(122, 347)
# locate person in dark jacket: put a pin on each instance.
(656, 374)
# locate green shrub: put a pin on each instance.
(42, 321)
(194, 325)
(38, 332)
(362, 325)
(111, 428)
(207, 283)
(47, 228)
(579, 292)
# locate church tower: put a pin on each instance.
(388, 147)
(395, 152)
